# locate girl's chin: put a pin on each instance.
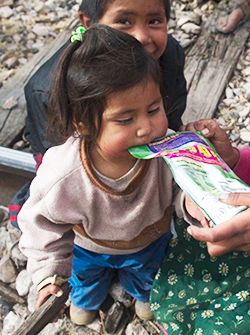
(125, 155)
(122, 156)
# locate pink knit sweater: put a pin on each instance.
(242, 168)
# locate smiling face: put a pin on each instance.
(132, 117)
(143, 19)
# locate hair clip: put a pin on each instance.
(77, 34)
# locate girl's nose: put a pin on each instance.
(142, 34)
(144, 129)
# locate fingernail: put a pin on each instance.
(189, 230)
(59, 294)
(223, 196)
(205, 131)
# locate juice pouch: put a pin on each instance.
(198, 170)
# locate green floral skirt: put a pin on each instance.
(194, 293)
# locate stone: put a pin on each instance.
(244, 112)
(31, 299)
(221, 121)
(191, 28)
(5, 308)
(38, 45)
(247, 122)
(11, 323)
(118, 293)
(21, 42)
(94, 326)
(55, 328)
(245, 136)
(237, 91)
(171, 24)
(246, 88)
(246, 71)
(189, 17)
(9, 103)
(228, 102)
(135, 328)
(229, 93)
(5, 74)
(23, 283)
(185, 43)
(21, 310)
(18, 257)
(15, 233)
(4, 212)
(40, 30)
(6, 12)
(4, 240)
(22, 61)
(7, 270)
(11, 62)
(234, 137)
(19, 145)
(7, 2)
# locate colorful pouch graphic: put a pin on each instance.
(198, 170)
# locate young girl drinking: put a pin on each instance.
(90, 198)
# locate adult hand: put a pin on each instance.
(211, 130)
(231, 235)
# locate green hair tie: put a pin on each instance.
(77, 34)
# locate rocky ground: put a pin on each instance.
(25, 27)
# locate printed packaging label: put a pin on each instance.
(198, 170)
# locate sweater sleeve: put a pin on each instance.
(179, 101)
(172, 64)
(242, 168)
(46, 243)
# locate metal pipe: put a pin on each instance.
(19, 161)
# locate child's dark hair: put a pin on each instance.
(105, 62)
(94, 9)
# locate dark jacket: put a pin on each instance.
(37, 92)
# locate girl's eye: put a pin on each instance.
(124, 121)
(123, 21)
(156, 21)
(154, 111)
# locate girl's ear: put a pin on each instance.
(85, 20)
(81, 129)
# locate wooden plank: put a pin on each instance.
(209, 67)
(12, 101)
(10, 295)
(45, 314)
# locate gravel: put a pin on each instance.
(25, 27)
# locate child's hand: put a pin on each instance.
(194, 211)
(211, 130)
(46, 292)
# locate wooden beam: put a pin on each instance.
(209, 66)
(45, 314)
(10, 295)
(12, 100)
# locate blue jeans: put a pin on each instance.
(92, 273)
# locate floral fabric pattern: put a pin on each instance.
(194, 293)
